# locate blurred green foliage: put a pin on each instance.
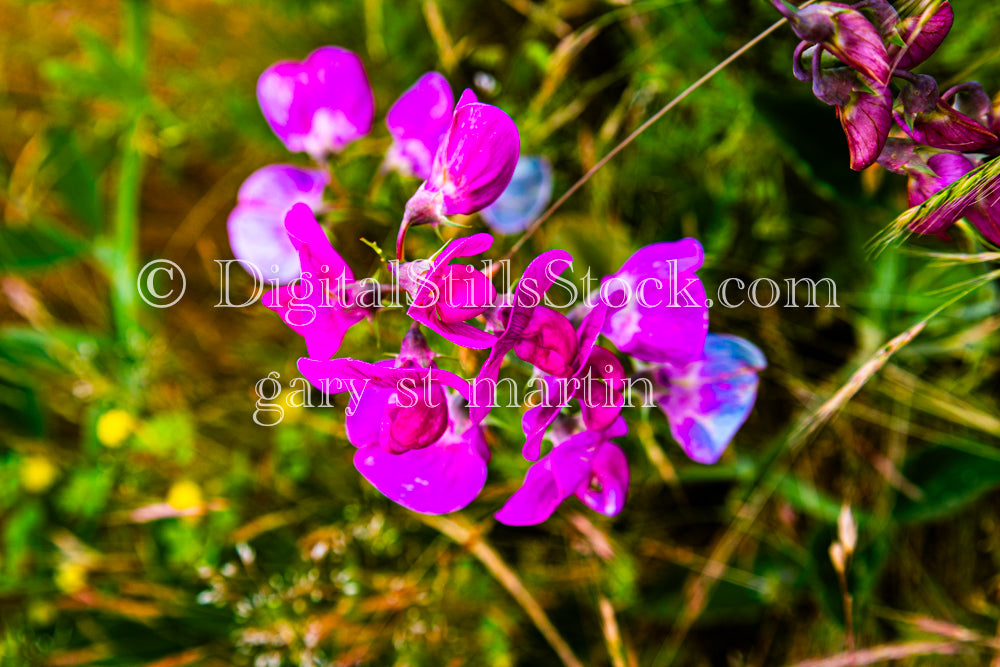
(145, 519)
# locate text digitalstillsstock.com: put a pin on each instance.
(670, 290)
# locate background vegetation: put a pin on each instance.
(129, 126)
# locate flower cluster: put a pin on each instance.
(420, 430)
(857, 54)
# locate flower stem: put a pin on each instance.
(478, 547)
(122, 262)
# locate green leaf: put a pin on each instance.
(76, 177)
(949, 478)
(37, 245)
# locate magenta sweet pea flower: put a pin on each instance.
(472, 166)
(445, 295)
(587, 464)
(257, 225)
(326, 301)
(415, 442)
(417, 121)
(657, 306)
(706, 401)
(319, 105)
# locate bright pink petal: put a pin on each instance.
(606, 488)
(417, 121)
(476, 158)
(658, 308)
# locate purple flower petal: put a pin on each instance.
(417, 121)
(845, 33)
(476, 158)
(307, 307)
(318, 105)
(708, 400)
(524, 199)
(945, 128)
(441, 478)
(866, 119)
(363, 417)
(658, 309)
(424, 281)
(256, 226)
(921, 40)
(535, 282)
(550, 481)
(606, 489)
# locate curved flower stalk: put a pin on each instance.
(257, 225)
(525, 198)
(657, 306)
(472, 166)
(587, 464)
(415, 442)
(326, 301)
(446, 295)
(318, 105)
(417, 122)
(706, 401)
(842, 31)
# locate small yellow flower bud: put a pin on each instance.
(184, 495)
(113, 427)
(71, 577)
(37, 474)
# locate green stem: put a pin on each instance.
(123, 260)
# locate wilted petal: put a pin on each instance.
(417, 121)
(525, 198)
(657, 305)
(921, 40)
(708, 400)
(866, 119)
(920, 95)
(971, 100)
(318, 105)
(945, 128)
(845, 33)
(476, 158)
(606, 488)
(900, 156)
